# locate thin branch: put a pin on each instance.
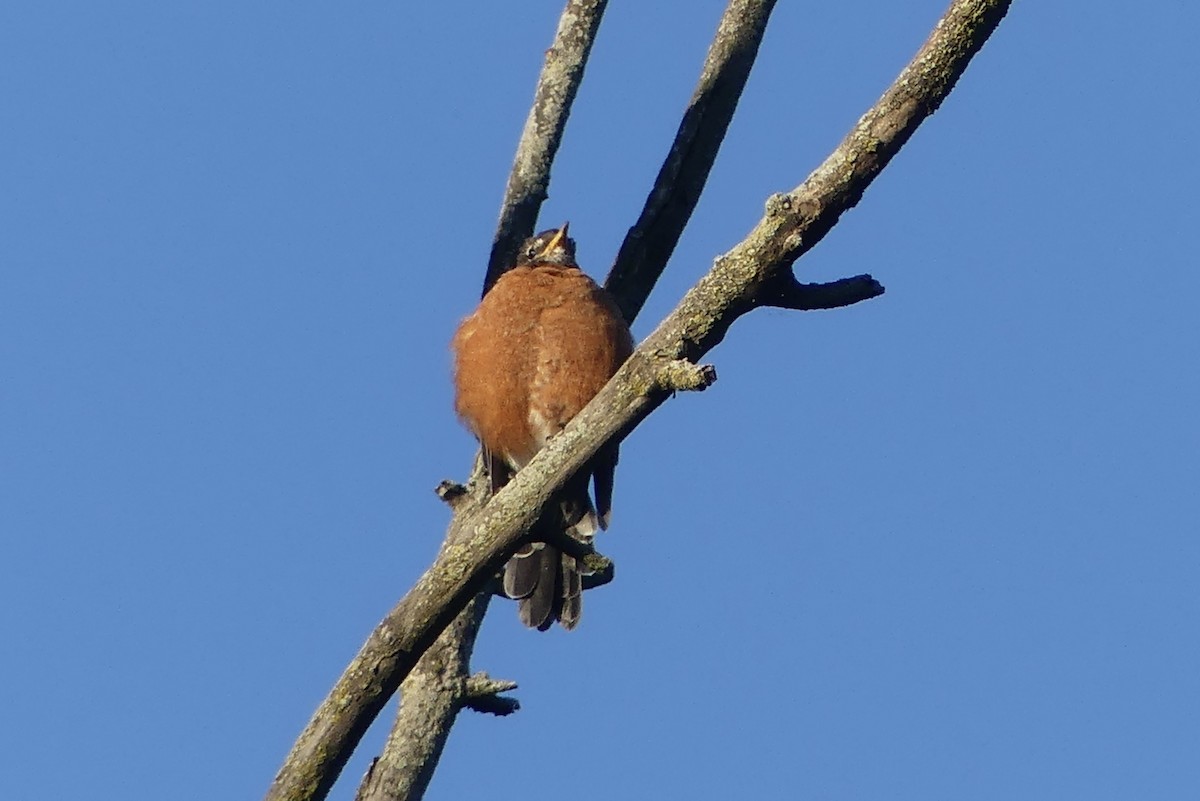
(785, 292)
(431, 702)
(481, 539)
(439, 686)
(530, 176)
(667, 210)
(650, 242)
(798, 220)
(430, 699)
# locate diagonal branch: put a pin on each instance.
(413, 748)
(649, 243)
(431, 697)
(481, 539)
(436, 690)
(433, 694)
(530, 176)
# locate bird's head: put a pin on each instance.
(549, 247)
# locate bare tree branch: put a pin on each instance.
(674, 197)
(439, 686)
(530, 176)
(437, 689)
(482, 694)
(433, 694)
(481, 539)
(650, 242)
(785, 292)
(430, 699)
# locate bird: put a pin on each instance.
(543, 341)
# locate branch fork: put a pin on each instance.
(438, 618)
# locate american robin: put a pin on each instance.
(544, 340)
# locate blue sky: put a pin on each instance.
(938, 545)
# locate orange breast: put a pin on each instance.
(542, 343)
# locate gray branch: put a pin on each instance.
(439, 686)
(650, 242)
(430, 699)
(413, 749)
(481, 538)
(482, 694)
(530, 176)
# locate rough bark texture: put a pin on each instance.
(756, 272)
(430, 699)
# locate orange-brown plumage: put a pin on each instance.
(543, 341)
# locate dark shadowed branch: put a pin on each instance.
(783, 291)
(482, 538)
(530, 176)
(650, 242)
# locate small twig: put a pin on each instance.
(497, 705)
(530, 176)
(680, 375)
(651, 241)
(481, 693)
(595, 568)
(481, 684)
(785, 292)
(451, 492)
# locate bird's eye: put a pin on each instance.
(531, 251)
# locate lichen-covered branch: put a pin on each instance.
(482, 694)
(430, 698)
(680, 375)
(649, 243)
(530, 176)
(756, 272)
(796, 221)
(482, 538)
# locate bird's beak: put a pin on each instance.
(559, 236)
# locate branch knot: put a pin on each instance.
(779, 203)
(680, 375)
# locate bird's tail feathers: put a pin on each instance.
(548, 586)
(547, 583)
